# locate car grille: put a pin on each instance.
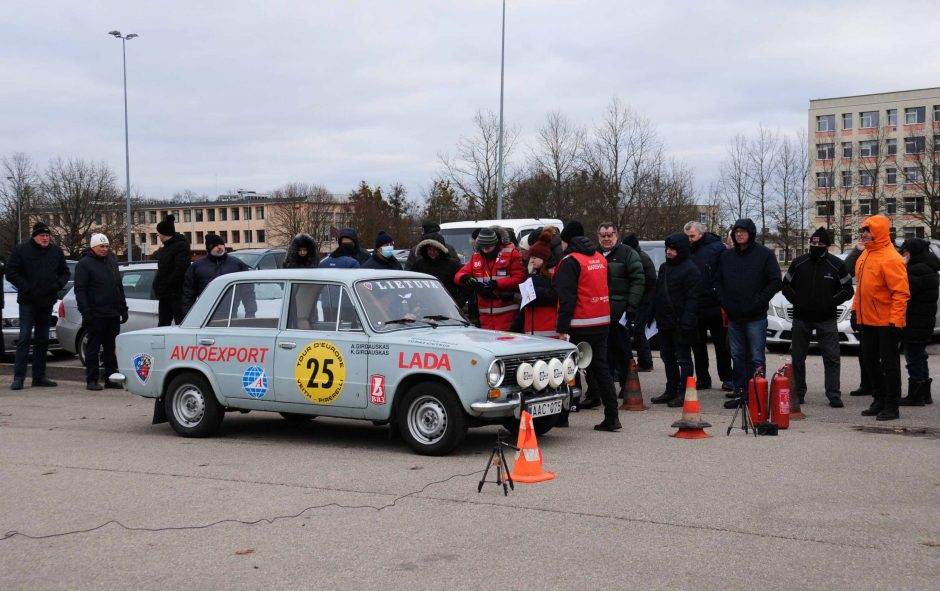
(840, 310)
(513, 363)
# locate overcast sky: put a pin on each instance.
(228, 94)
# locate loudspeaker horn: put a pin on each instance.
(585, 354)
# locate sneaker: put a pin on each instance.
(733, 403)
(732, 394)
(93, 386)
(676, 402)
(888, 415)
(835, 403)
(606, 425)
(727, 386)
(43, 382)
(17, 384)
(589, 403)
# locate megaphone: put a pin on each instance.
(585, 354)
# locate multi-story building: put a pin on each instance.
(876, 153)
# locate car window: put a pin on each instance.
(320, 306)
(279, 259)
(138, 283)
(249, 258)
(268, 262)
(249, 304)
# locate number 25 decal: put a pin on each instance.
(320, 372)
(313, 365)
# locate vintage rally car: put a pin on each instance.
(386, 346)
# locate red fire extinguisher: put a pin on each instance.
(757, 397)
(780, 400)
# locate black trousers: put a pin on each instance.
(170, 310)
(618, 351)
(101, 335)
(598, 373)
(677, 360)
(882, 364)
(716, 326)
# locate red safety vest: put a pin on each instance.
(507, 269)
(593, 305)
(541, 321)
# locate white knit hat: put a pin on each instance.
(98, 240)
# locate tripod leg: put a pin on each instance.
(734, 417)
(508, 475)
(487, 471)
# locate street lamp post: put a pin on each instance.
(499, 170)
(127, 153)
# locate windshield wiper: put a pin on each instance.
(407, 320)
(441, 317)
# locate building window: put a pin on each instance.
(223, 214)
(914, 232)
(846, 121)
(141, 217)
(248, 214)
(200, 238)
(846, 149)
(825, 208)
(864, 207)
(915, 144)
(98, 219)
(259, 213)
(892, 146)
(825, 151)
(189, 237)
(868, 119)
(891, 176)
(893, 232)
(892, 117)
(702, 216)
(868, 148)
(235, 216)
(913, 205)
(153, 216)
(825, 123)
(847, 179)
(824, 180)
(914, 115)
(247, 236)
(56, 220)
(847, 237)
(176, 215)
(235, 236)
(211, 213)
(153, 239)
(199, 215)
(936, 144)
(912, 176)
(936, 113)
(865, 178)
(891, 206)
(847, 207)
(142, 238)
(260, 235)
(187, 215)
(224, 233)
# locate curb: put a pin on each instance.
(53, 372)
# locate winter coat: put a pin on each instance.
(504, 268)
(361, 255)
(38, 273)
(625, 280)
(816, 287)
(882, 291)
(444, 267)
(545, 297)
(294, 261)
(344, 257)
(746, 278)
(173, 261)
(922, 268)
(566, 285)
(377, 261)
(203, 271)
(98, 288)
(436, 236)
(676, 303)
(705, 252)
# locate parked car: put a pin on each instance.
(11, 322)
(137, 279)
(385, 346)
(71, 281)
(457, 234)
(261, 258)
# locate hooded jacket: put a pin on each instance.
(173, 260)
(922, 268)
(361, 255)
(746, 278)
(203, 271)
(343, 257)
(705, 252)
(98, 288)
(444, 267)
(567, 277)
(883, 291)
(38, 273)
(678, 284)
(295, 261)
(816, 287)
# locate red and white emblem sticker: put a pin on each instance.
(377, 389)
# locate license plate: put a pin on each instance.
(544, 409)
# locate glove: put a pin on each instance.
(487, 287)
(466, 280)
(124, 315)
(895, 331)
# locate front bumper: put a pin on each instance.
(512, 406)
(780, 331)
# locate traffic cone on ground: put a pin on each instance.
(796, 413)
(633, 397)
(528, 465)
(691, 426)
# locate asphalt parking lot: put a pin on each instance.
(94, 496)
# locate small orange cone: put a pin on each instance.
(528, 465)
(796, 413)
(691, 426)
(633, 398)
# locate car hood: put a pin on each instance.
(474, 340)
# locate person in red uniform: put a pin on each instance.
(584, 313)
(490, 272)
(540, 316)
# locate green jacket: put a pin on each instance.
(625, 279)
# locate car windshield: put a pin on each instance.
(395, 304)
(249, 258)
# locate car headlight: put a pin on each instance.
(11, 323)
(781, 311)
(541, 375)
(495, 373)
(525, 375)
(571, 367)
(556, 372)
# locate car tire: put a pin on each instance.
(431, 420)
(191, 406)
(82, 341)
(296, 418)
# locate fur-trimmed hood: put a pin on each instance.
(292, 259)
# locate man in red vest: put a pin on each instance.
(493, 270)
(584, 313)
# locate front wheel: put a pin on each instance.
(431, 419)
(191, 406)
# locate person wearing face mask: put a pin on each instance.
(216, 262)
(383, 257)
(494, 269)
(816, 283)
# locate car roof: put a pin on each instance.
(138, 265)
(505, 223)
(257, 250)
(335, 275)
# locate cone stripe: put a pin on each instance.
(691, 425)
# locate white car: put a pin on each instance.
(11, 322)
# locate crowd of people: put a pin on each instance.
(604, 292)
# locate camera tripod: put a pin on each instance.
(744, 408)
(498, 459)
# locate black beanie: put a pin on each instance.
(573, 229)
(430, 227)
(40, 228)
(382, 239)
(631, 241)
(212, 240)
(487, 237)
(167, 227)
(820, 238)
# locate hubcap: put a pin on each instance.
(189, 406)
(427, 420)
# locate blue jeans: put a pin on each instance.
(915, 356)
(747, 341)
(38, 317)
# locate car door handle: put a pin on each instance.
(206, 341)
(287, 345)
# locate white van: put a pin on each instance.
(457, 234)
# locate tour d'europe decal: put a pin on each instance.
(320, 372)
(142, 364)
(255, 381)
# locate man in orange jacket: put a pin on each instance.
(880, 310)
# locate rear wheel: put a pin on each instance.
(431, 420)
(191, 406)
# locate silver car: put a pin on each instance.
(384, 346)
(137, 279)
(11, 322)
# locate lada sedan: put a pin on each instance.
(385, 346)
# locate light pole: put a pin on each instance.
(19, 206)
(127, 153)
(499, 170)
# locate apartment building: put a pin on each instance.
(876, 153)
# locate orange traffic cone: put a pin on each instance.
(796, 413)
(528, 465)
(691, 426)
(633, 397)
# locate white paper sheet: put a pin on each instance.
(651, 330)
(527, 291)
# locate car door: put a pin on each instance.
(237, 342)
(138, 291)
(321, 358)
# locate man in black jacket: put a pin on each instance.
(38, 271)
(644, 356)
(746, 278)
(922, 269)
(217, 262)
(172, 262)
(706, 248)
(815, 284)
(383, 256)
(101, 302)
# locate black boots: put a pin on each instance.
(918, 393)
(663, 398)
(873, 410)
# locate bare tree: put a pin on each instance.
(301, 208)
(785, 213)
(734, 181)
(802, 156)
(556, 157)
(16, 197)
(761, 160)
(921, 177)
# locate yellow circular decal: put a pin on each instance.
(320, 372)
